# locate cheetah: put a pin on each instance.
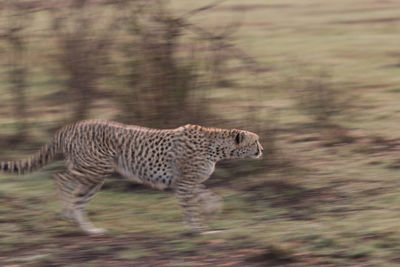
(180, 159)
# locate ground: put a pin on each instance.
(332, 201)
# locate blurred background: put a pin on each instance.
(317, 80)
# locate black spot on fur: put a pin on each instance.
(238, 138)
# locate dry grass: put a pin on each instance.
(336, 202)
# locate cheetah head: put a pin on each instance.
(245, 144)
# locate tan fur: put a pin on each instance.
(180, 159)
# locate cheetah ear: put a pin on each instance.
(239, 137)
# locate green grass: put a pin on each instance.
(336, 204)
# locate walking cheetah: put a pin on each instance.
(180, 159)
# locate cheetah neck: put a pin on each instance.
(219, 141)
(216, 142)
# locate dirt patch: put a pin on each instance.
(377, 144)
(105, 251)
(274, 256)
(372, 8)
(368, 21)
(241, 8)
(302, 203)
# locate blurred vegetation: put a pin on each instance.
(319, 98)
(14, 36)
(143, 64)
(317, 81)
(82, 55)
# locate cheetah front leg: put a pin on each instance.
(187, 197)
(210, 203)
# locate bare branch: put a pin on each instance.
(201, 9)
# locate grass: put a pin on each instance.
(337, 205)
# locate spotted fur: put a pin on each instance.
(180, 159)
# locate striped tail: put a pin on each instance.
(38, 160)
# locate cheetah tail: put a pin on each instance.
(36, 161)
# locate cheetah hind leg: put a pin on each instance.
(74, 197)
(82, 195)
(65, 188)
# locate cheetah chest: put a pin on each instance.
(206, 170)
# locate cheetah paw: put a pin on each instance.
(95, 231)
(211, 232)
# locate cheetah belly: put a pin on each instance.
(156, 172)
(159, 179)
(128, 175)
(159, 182)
